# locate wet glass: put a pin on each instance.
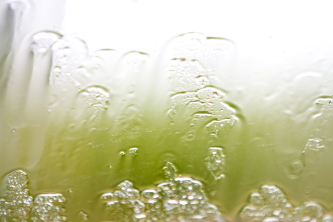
(143, 110)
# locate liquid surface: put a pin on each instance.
(180, 111)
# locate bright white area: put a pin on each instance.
(146, 24)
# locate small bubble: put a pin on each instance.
(190, 137)
(133, 151)
(83, 215)
(43, 41)
(13, 130)
(110, 166)
(295, 167)
(122, 153)
(215, 162)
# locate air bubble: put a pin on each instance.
(18, 205)
(215, 162)
(295, 167)
(133, 151)
(69, 57)
(48, 207)
(170, 170)
(83, 215)
(327, 103)
(313, 144)
(205, 103)
(187, 75)
(43, 41)
(122, 153)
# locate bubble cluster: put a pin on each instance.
(270, 204)
(133, 151)
(48, 207)
(313, 144)
(96, 97)
(187, 75)
(18, 205)
(215, 162)
(18, 201)
(205, 103)
(191, 71)
(198, 46)
(69, 60)
(177, 199)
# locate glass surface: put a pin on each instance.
(166, 110)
